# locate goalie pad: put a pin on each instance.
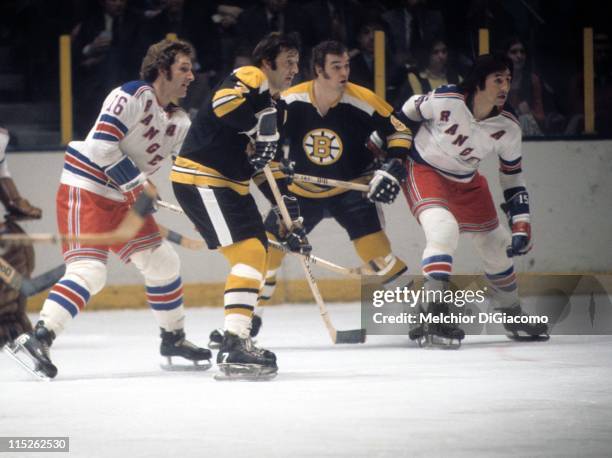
(13, 318)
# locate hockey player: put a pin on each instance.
(328, 123)
(211, 176)
(460, 125)
(137, 128)
(13, 318)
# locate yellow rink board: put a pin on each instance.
(297, 291)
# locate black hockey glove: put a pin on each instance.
(385, 185)
(266, 141)
(288, 168)
(295, 238)
(516, 209)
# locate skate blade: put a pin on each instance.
(528, 337)
(443, 343)
(16, 352)
(195, 366)
(244, 372)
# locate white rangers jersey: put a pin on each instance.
(131, 123)
(453, 142)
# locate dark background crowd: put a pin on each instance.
(428, 43)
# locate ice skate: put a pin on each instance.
(31, 351)
(523, 332)
(216, 336)
(174, 344)
(442, 335)
(240, 359)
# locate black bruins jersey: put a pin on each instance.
(214, 151)
(334, 145)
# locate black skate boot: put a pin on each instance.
(240, 359)
(523, 331)
(174, 343)
(31, 351)
(216, 336)
(432, 334)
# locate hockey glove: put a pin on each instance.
(295, 238)
(516, 209)
(23, 210)
(288, 168)
(127, 177)
(18, 208)
(385, 185)
(266, 141)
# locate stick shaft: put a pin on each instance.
(331, 182)
(196, 245)
(127, 229)
(305, 266)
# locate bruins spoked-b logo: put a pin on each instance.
(322, 146)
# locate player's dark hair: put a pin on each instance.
(272, 45)
(321, 50)
(483, 67)
(160, 57)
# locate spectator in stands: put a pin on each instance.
(333, 20)
(272, 16)
(603, 91)
(434, 70)
(362, 58)
(105, 53)
(226, 21)
(414, 23)
(189, 20)
(526, 91)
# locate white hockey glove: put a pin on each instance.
(266, 141)
(126, 175)
(385, 185)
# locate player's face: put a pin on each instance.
(496, 88)
(336, 72)
(180, 77)
(286, 69)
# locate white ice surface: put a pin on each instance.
(493, 397)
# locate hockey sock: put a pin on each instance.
(375, 250)
(166, 302)
(248, 262)
(275, 260)
(71, 293)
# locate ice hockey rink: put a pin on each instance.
(384, 398)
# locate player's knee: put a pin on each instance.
(372, 246)
(88, 273)
(250, 252)
(159, 265)
(492, 249)
(441, 229)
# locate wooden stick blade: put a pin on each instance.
(353, 336)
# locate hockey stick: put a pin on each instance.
(29, 287)
(338, 337)
(191, 244)
(331, 182)
(127, 230)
